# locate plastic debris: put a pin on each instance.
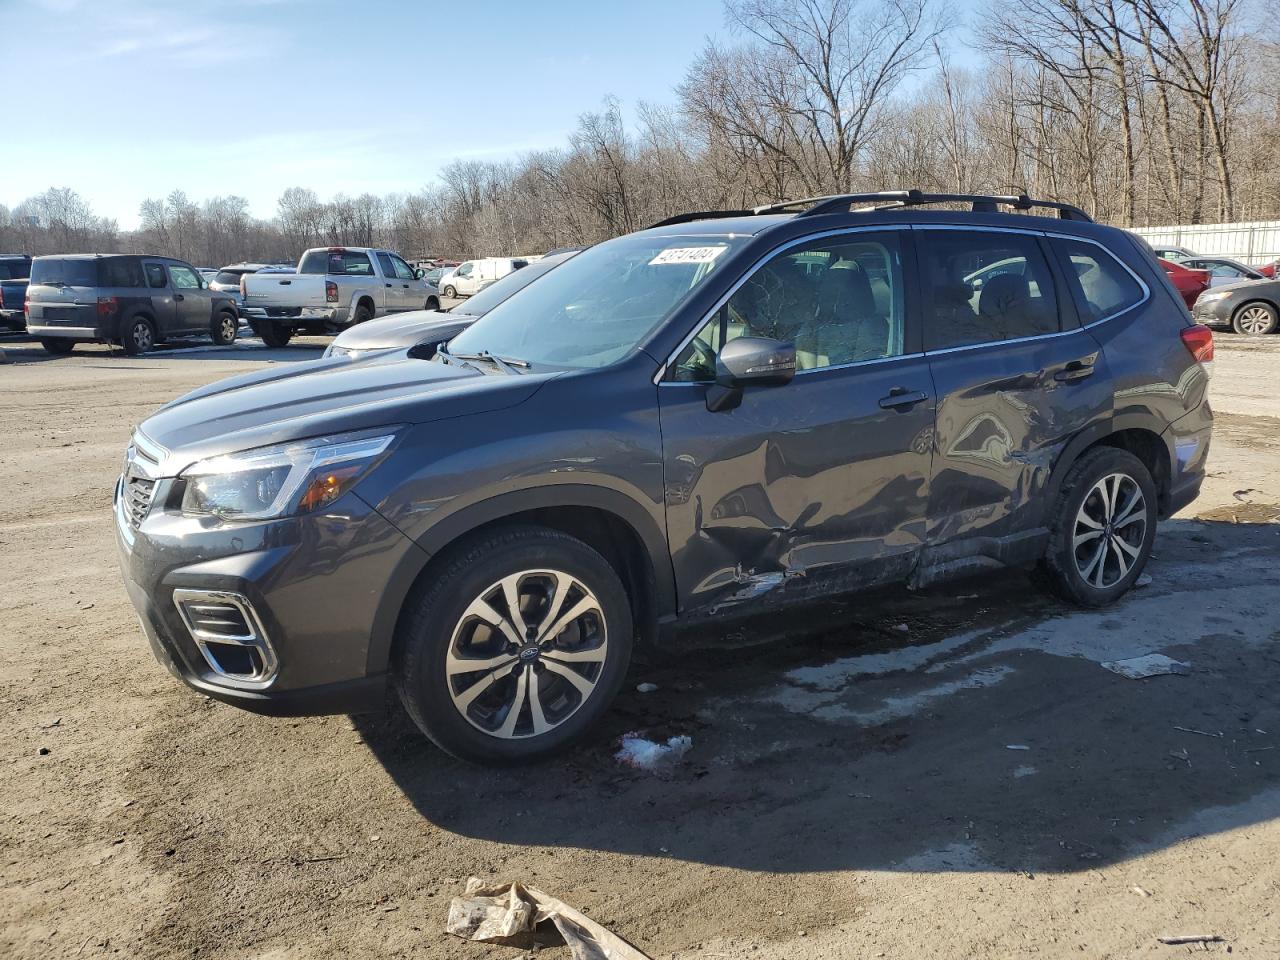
(646, 687)
(1143, 581)
(509, 913)
(1016, 746)
(635, 751)
(1151, 665)
(1193, 938)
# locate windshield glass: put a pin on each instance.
(593, 309)
(500, 290)
(74, 273)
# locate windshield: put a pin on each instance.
(500, 290)
(593, 309)
(73, 273)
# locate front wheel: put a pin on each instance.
(225, 327)
(451, 293)
(516, 648)
(1255, 319)
(1101, 529)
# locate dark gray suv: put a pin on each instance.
(133, 301)
(721, 414)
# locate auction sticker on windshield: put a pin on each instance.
(687, 255)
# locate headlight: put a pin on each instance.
(274, 481)
(1213, 295)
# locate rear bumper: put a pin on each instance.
(13, 319)
(296, 314)
(65, 330)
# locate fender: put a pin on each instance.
(560, 495)
(378, 311)
(1100, 430)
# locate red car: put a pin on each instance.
(1189, 283)
(1269, 270)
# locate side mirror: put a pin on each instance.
(419, 274)
(750, 361)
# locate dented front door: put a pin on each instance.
(820, 483)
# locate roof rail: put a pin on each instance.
(913, 198)
(885, 199)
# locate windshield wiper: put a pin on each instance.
(505, 364)
(462, 361)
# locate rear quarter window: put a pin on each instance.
(1100, 284)
(122, 272)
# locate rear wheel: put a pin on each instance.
(433, 303)
(225, 327)
(1102, 528)
(58, 346)
(275, 334)
(1255, 319)
(362, 314)
(138, 336)
(516, 647)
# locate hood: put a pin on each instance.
(319, 397)
(1256, 286)
(403, 329)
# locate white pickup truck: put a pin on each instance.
(334, 287)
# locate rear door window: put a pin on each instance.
(1100, 284)
(156, 276)
(388, 268)
(984, 287)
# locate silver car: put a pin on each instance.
(427, 329)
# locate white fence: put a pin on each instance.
(1252, 243)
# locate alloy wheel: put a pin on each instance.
(526, 654)
(1255, 320)
(228, 327)
(1110, 528)
(142, 336)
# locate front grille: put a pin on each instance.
(137, 499)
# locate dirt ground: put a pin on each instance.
(975, 785)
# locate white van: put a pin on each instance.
(474, 275)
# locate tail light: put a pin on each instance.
(330, 291)
(1198, 339)
(26, 306)
(107, 306)
(1, 298)
(243, 292)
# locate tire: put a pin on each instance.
(1256, 319)
(57, 346)
(433, 303)
(451, 293)
(138, 335)
(440, 621)
(1072, 568)
(363, 315)
(224, 328)
(275, 334)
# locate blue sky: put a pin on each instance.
(128, 99)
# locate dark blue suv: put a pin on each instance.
(721, 414)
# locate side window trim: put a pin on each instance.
(662, 377)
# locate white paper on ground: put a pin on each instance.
(1151, 665)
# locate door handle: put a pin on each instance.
(178, 296)
(285, 283)
(388, 284)
(405, 285)
(1075, 370)
(900, 397)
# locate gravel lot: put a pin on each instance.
(851, 792)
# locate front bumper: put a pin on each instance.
(313, 584)
(1214, 313)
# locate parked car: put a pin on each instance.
(474, 275)
(135, 301)
(1174, 254)
(434, 275)
(708, 418)
(1223, 270)
(1268, 270)
(333, 288)
(227, 280)
(15, 268)
(427, 329)
(1250, 307)
(1189, 283)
